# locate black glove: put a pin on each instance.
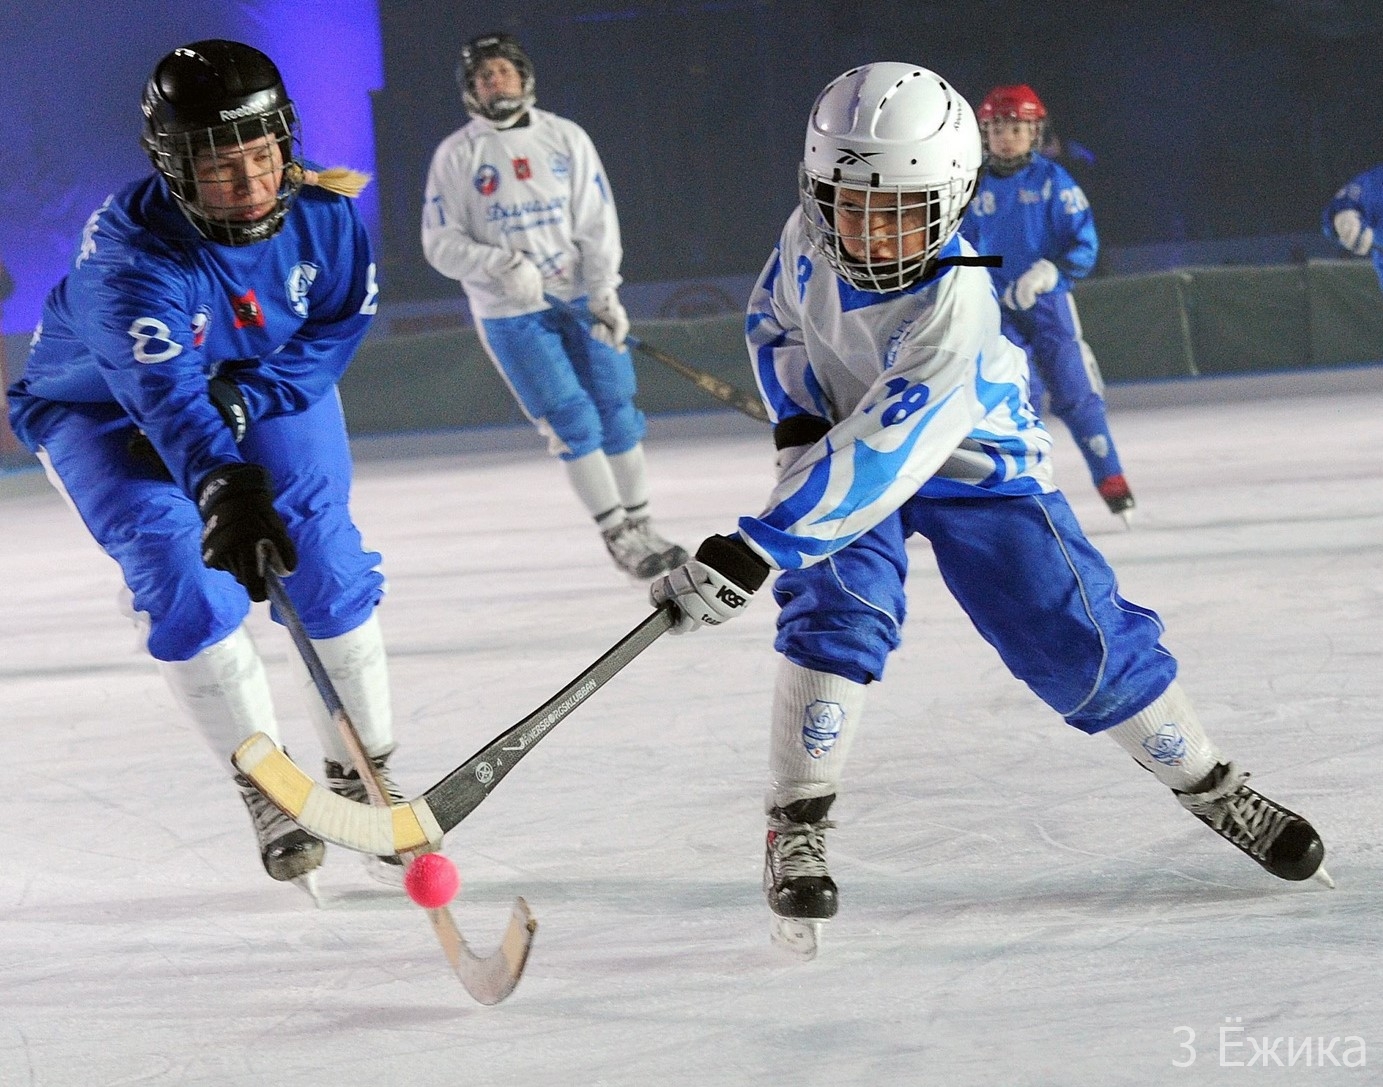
(237, 507)
(225, 397)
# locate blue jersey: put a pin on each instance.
(1363, 194)
(151, 310)
(1038, 213)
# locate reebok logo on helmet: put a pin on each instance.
(851, 157)
(240, 111)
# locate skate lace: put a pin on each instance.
(643, 526)
(346, 782)
(625, 541)
(1244, 817)
(800, 849)
(270, 823)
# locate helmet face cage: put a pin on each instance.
(175, 155)
(486, 47)
(907, 227)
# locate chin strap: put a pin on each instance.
(936, 267)
(992, 260)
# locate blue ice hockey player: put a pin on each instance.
(1031, 212)
(899, 409)
(181, 391)
(1354, 215)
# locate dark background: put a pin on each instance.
(1230, 119)
(1207, 121)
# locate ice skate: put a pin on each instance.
(800, 891)
(1280, 840)
(345, 781)
(671, 555)
(1117, 496)
(631, 551)
(289, 853)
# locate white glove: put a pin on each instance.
(611, 322)
(705, 595)
(1039, 279)
(522, 284)
(1353, 234)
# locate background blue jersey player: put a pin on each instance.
(1031, 212)
(1355, 214)
(181, 391)
(899, 410)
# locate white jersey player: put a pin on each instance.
(518, 206)
(900, 408)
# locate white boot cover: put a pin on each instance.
(359, 671)
(225, 692)
(1167, 739)
(631, 476)
(594, 483)
(815, 715)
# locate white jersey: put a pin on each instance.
(921, 391)
(539, 190)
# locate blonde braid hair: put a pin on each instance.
(338, 179)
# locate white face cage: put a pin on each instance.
(881, 238)
(175, 155)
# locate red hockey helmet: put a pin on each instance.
(1018, 101)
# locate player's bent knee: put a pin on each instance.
(577, 424)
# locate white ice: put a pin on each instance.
(1020, 904)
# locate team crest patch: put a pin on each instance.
(1167, 747)
(200, 320)
(298, 283)
(486, 180)
(821, 723)
(560, 165)
(522, 170)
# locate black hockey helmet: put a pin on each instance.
(496, 43)
(217, 96)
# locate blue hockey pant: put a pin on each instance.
(578, 391)
(153, 530)
(1021, 568)
(1064, 369)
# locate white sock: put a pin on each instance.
(1167, 739)
(225, 693)
(593, 481)
(631, 477)
(359, 671)
(815, 715)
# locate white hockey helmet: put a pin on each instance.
(908, 141)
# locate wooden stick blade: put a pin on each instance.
(381, 831)
(490, 979)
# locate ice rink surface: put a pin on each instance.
(1020, 904)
